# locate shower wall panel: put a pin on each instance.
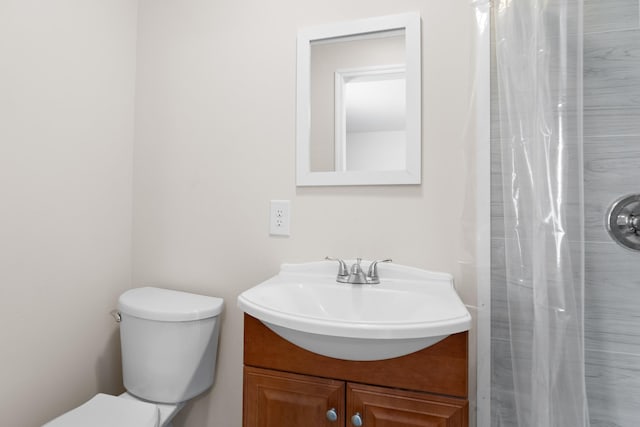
(611, 169)
(503, 411)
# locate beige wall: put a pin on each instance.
(67, 70)
(215, 127)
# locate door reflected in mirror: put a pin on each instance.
(359, 98)
(370, 119)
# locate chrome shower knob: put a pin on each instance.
(623, 221)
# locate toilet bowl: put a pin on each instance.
(166, 411)
(169, 342)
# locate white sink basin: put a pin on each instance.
(410, 309)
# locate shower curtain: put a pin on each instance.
(538, 48)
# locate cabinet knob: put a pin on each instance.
(356, 420)
(332, 415)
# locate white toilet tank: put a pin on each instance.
(169, 343)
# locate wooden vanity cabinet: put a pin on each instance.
(274, 398)
(285, 385)
(387, 407)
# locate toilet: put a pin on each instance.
(169, 343)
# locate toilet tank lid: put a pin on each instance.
(168, 305)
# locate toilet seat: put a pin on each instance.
(104, 410)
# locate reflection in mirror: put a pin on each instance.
(331, 59)
(358, 118)
(370, 119)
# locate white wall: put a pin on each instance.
(215, 127)
(67, 70)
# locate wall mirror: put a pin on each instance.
(359, 102)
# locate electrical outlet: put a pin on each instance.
(279, 218)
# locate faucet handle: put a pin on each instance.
(343, 273)
(372, 274)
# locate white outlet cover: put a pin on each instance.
(279, 218)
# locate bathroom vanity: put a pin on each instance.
(286, 385)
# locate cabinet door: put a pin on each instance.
(383, 407)
(278, 399)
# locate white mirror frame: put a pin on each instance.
(410, 23)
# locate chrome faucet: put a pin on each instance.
(356, 275)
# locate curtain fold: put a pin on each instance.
(538, 46)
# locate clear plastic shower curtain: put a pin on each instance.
(538, 47)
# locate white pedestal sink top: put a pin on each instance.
(410, 309)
